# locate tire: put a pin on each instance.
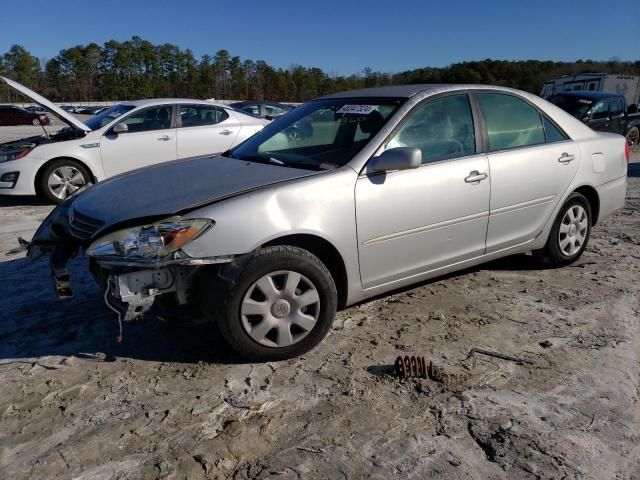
(35, 122)
(633, 136)
(72, 174)
(568, 238)
(264, 324)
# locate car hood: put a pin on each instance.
(175, 187)
(40, 100)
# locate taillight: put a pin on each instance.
(626, 150)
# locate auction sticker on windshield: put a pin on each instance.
(357, 109)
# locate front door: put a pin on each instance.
(413, 221)
(599, 118)
(150, 139)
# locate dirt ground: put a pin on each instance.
(172, 402)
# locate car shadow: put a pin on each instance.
(34, 323)
(22, 201)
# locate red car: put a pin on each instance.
(12, 115)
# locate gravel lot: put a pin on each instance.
(172, 402)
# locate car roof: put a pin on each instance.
(163, 101)
(402, 91)
(407, 91)
(589, 94)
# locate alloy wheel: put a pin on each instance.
(64, 181)
(280, 309)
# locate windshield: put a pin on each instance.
(319, 135)
(109, 115)
(576, 106)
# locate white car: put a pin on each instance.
(124, 137)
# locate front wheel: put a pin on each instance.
(35, 122)
(62, 178)
(570, 232)
(281, 305)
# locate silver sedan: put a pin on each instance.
(346, 197)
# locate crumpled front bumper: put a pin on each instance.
(130, 285)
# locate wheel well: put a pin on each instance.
(594, 201)
(326, 252)
(44, 166)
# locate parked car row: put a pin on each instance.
(345, 197)
(268, 110)
(84, 110)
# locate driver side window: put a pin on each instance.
(441, 129)
(155, 118)
(600, 111)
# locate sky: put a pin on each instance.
(341, 37)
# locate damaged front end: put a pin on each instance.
(134, 263)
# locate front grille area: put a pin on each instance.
(82, 226)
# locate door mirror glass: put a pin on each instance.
(400, 158)
(120, 128)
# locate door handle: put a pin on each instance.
(475, 176)
(164, 138)
(226, 132)
(566, 158)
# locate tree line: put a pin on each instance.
(137, 68)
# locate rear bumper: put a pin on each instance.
(612, 197)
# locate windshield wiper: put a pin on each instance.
(276, 161)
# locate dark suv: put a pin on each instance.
(606, 112)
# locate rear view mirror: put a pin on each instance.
(400, 158)
(120, 128)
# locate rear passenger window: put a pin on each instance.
(196, 116)
(510, 121)
(441, 129)
(615, 107)
(552, 133)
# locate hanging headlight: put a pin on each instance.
(149, 242)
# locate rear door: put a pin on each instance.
(205, 130)
(413, 221)
(151, 139)
(532, 161)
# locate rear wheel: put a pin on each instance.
(570, 232)
(35, 122)
(61, 178)
(281, 305)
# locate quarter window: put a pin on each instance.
(197, 116)
(441, 129)
(156, 118)
(552, 133)
(510, 121)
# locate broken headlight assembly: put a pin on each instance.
(157, 241)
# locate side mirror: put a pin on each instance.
(400, 158)
(268, 117)
(120, 128)
(633, 108)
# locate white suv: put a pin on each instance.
(124, 137)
